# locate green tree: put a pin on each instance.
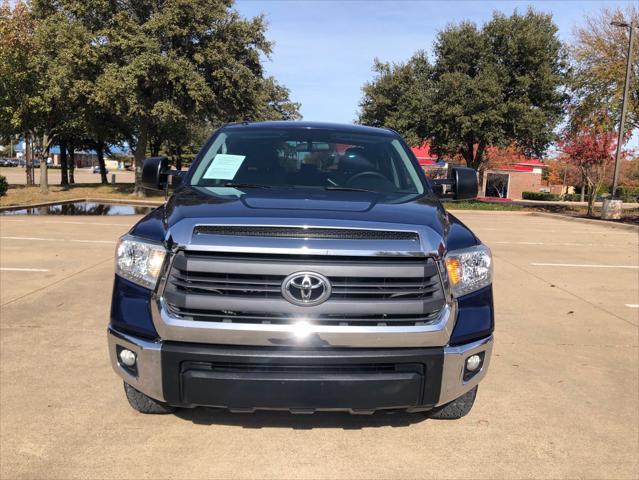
(152, 73)
(174, 62)
(396, 97)
(598, 55)
(20, 99)
(497, 85)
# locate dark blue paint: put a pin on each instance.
(475, 318)
(152, 226)
(131, 308)
(459, 235)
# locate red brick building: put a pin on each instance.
(510, 181)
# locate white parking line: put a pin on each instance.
(564, 244)
(632, 305)
(580, 265)
(544, 230)
(103, 224)
(40, 239)
(8, 269)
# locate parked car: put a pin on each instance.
(96, 169)
(8, 162)
(303, 266)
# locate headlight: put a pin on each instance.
(139, 261)
(469, 269)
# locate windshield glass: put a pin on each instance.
(317, 158)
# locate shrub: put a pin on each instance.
(539, 196)
(4, 185)
(574, 197)
(628, 193)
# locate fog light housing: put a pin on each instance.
(127, 357)
(472, 365)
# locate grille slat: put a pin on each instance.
(189, 277)
(250, 317)
(382, 291)
(189, 286)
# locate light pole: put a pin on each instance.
(624, 104)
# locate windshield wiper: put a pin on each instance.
(244, 185)
(348, 189)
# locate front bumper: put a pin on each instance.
(245, 379)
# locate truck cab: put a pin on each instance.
(302, 267)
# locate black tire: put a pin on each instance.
(458, 408)
(143, 403)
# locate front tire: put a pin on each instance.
(143, 403)
(458, 408)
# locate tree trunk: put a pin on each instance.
(178, 158)
(64, 172)
(138, 155)
(103, 175)
(44, 172)
(155, 145)
(28, 166)
(71, 163)
(591, 200)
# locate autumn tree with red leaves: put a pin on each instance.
(590, 146)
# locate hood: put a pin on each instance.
(304, 205)
(196, 205)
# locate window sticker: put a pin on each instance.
(224, 166)
(225, 191)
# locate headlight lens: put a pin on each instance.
(139, 261)
(469, 269)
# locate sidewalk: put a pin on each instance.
(626, 206)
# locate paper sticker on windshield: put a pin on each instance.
(224, 166)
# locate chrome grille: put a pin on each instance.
(246, 288)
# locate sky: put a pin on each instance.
(324, 49)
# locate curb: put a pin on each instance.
(114, 201)
(590, 221)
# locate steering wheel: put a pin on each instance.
(369, 173)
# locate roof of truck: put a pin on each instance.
(298, 124)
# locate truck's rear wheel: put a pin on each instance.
(457, 408)
(143, 403)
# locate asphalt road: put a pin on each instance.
(561, 399)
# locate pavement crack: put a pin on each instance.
(108, 259)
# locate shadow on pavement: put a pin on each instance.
(267, 419)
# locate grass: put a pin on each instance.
(57, 193)
(630, 216)
(477, 205)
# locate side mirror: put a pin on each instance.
(154, 173)
(461, 184)
(465, 183)
(177, 178)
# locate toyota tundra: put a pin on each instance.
(302, 267)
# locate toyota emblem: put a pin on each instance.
(306, 288)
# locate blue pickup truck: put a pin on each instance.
(303, 267)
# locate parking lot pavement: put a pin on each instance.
(17, 175)
(561, 398)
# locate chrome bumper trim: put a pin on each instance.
(149, 363)
(149, 378)
(434, 334)
(453, 384)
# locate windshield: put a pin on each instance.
(317, 158)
